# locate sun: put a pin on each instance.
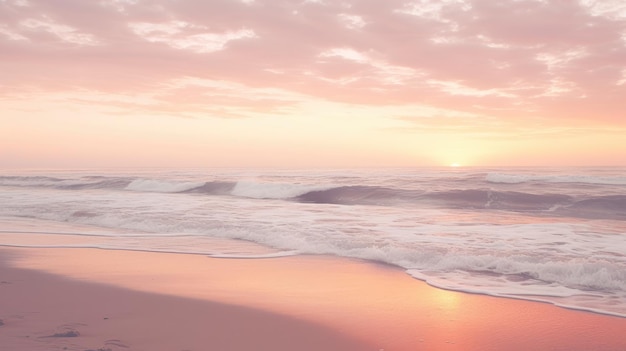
(455, 164)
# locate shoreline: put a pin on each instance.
(47, 311)
(278, 255)
(358, 305)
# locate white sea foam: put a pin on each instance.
(259, 190)
(553, 259)
(257, 256)
(160, 186)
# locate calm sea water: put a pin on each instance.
(556, 235)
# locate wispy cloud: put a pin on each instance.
(175, 34)
(489, 64)
(455, 54)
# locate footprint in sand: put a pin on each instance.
(66, 331)
(111, 345)
(66, 334)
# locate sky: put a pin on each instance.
(312, 83)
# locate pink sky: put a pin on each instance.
(312, 83)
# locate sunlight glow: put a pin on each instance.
(238, 87)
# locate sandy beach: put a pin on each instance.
(312, 175)
(89, 299)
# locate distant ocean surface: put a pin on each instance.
(554, 235)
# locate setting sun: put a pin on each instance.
(309, 181)
(340, 95)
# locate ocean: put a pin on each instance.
(541, 234)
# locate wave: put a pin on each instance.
(499, 200)
(611, 206)
(62, 183)
(160, 186)
(555, 258)
(248, 189)
(599, 207)
(466, 198)
(114, 183)
(259, 190)
(468, 192)
(257, 256)
(587, 286)
(525, 178)
(213, 188)
(353, 195)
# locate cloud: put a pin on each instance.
(65, 33)
(174, 35)
(505, 59)
(352, 21)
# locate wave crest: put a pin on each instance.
(160, 186)
(259, 190)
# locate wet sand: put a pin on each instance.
(122, 300)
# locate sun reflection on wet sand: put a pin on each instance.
(377, 303)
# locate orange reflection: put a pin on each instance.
(376, 303)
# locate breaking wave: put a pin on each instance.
(159, 186)
(609, 207)
(258, 190)
(521, 233)
(476, 194)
